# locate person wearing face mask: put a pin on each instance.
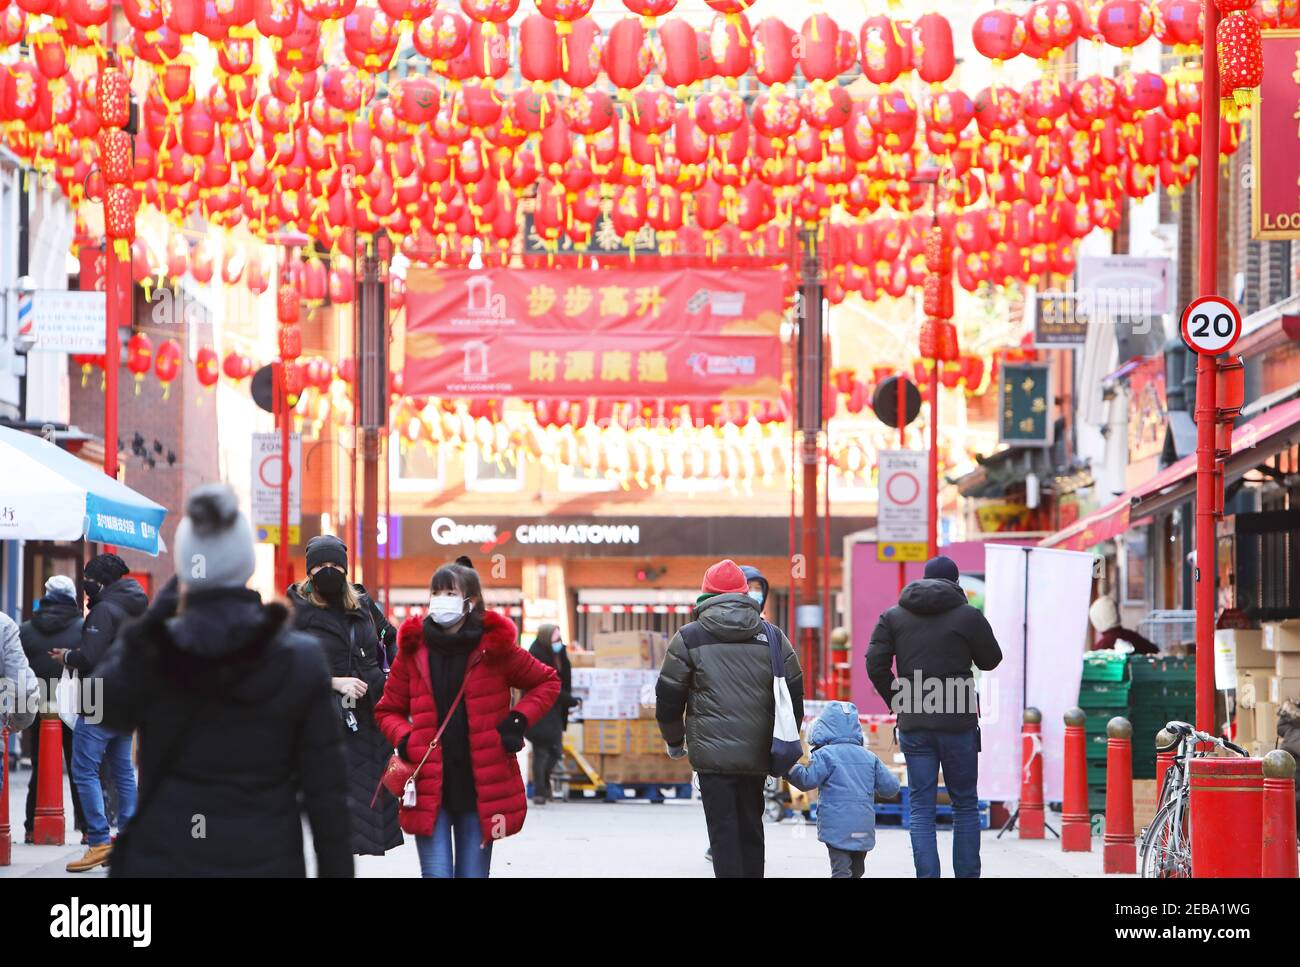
(115, 600)
(547, 736)
(758, 587)
(343, 619)
(451, 682)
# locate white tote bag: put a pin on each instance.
(786, 747)
(67, 697)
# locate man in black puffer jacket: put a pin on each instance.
(714, 700)
(934, 635)
(55, 625)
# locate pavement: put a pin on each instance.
(634, 839)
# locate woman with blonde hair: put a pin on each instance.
(351, 632)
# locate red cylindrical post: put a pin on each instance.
(1278, 858)
(1227, 817)
(6, 838)
(901, 385)
(1206, 378)
(50, 824)
(1031, 776)
(1119, 854)
(1166, 747)
(1076, 823)
(932, 549)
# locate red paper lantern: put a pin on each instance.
(998, 34)
(206, 366)
(773, 54)
(881, 50)
(932, 48)
(1053, 23)
(237, 366)
(1125, 23)
(139, 357)
(167, 365)
(1241, 56)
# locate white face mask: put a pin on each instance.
(446, 610)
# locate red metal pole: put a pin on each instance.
(1076, 823)
(809, 524)
(1278, 859)
(117, 308)
(49, 825)
(1206, 373)
(1119, 854)
(932, 548)
(6, 781)
(1031, 776)
(286, 472)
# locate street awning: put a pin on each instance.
(1253, 442)
(47, 494)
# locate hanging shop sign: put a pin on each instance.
(65, 321)
(1060, 319)
(606, 242)
(1147, 409)
(1275, 187)
(1124, 287)
(1024, 405)
(693, 334)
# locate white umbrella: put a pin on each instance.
(47, 494)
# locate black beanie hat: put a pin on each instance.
(105, 568)
(326, 549)
(942, 567)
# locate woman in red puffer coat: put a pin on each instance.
(469, 791)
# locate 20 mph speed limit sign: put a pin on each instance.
(1211, 325)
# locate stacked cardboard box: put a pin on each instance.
(629, 649)
(632, 750)
(613, 693)
(1268, 674)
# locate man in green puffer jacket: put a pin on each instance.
(714, 699)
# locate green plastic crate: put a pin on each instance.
(1097, 773)
(1146, 694)
(1165, 669)
(1104, 666)
(1096, 799)
(1096, 695)
(1096, 748)
(1096, 719)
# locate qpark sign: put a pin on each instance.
(446, 532)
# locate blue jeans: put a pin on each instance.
(958, 753)
(91, 745)
(459, 834)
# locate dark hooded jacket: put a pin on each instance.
(715, 688)
(549, 729)
(56, 624)
(350, 641)
(934, 635)
(239, 730)
(117, 604)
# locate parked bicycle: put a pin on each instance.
(1165, 851)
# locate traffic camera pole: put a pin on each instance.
(1206, 378)
(372, 381)
(901, 386)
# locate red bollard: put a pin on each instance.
(6, 838)
(1031, 776)
(1166, 748)
(1227, 817)
(1119, 854)
(1278, 860)
(50, 825)
(1076, 823)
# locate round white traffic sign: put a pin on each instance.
(1211, 325)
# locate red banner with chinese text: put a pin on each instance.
(1275, 129)
(614, 334)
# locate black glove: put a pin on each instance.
(511, 731)
(401, 748)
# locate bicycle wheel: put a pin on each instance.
(1166, 851)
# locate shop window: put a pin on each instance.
(583, 480)
(491, 474)
(416, 466)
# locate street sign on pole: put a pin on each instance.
(902, 524)
(266, 486)
(1211, 325)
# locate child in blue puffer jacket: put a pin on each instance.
(848, 776)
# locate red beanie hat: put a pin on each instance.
(725, 577)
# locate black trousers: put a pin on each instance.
(733, 811)
(847, 864)
(34, 739)
(545, 757)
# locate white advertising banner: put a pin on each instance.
(1042, 627)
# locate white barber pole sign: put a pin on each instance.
(1211, 325)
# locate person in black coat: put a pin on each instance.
(547, 736)
(343, 619)
(239, 729)
(55, 625)
(934, 635)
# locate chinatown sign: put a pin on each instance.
(612, 334)
(1275, 131)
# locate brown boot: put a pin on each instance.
(94, 856)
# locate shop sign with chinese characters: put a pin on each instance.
(1275, 187)
(612, 334)
(1024, 405)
